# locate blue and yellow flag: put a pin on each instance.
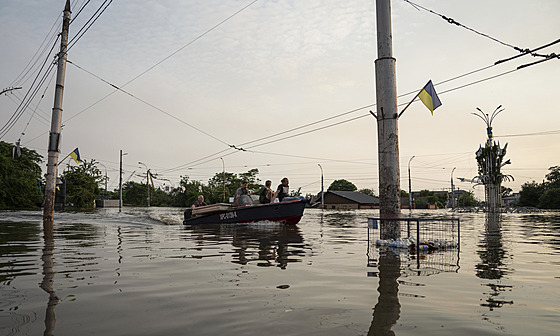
(76, 156)
(429, 97)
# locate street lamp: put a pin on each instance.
(410, 188)
(322, 189)
(147, 180)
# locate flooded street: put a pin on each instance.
(143, 273)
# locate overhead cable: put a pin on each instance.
(452, 21)
(155, 107)
(164, 59)
(94, 17)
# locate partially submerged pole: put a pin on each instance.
(120, 181)
(387, 123)
(56, 120)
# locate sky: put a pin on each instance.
(290, 82)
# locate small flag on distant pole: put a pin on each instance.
(429, 97)
(76, 156)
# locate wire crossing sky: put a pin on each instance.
(290, 83)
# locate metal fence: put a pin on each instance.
(424, 245)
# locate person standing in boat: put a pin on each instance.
(265, 195)
(282, 191)
(199, 202)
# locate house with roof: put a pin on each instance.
(345, 200)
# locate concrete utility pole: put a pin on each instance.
(120, 180)
(322, 190)
(387, 122)
(223, 179)
(54, 136)
(452, 190)
(147, 180)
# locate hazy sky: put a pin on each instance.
(276, 66)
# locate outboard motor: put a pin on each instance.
(245, 200)
(188, 213)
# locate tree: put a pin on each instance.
(530, 194)
(467, 200)
(550, 199)
(342, 185)
(553, 177)
(426, 193)
(134, 193)
(20, 178)
(217, 182)
(251, 177)
(187, 193)
(369, 192)
(505, 191)
(232, 183)
(82, 184)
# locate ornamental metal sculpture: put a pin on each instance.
(490, 159)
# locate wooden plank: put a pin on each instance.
(212, 208)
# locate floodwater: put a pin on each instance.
(143, 273)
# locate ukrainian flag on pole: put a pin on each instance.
(429, 97)
(76, 156)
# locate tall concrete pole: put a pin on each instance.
(452, 190)
(120, 181)
(322, 190)
(387, 122)
(223, 179)
(54, 136)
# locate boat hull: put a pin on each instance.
(288, 212)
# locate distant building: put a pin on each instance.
(345, 200)
(510, 200)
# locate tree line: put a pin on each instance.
(545, 195)
(22, 186)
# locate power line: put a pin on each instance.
(452, 21)
(81, 9)
(163, 60)
(191, 42)
(36, 107)
(24, 103)
(94, 17)
(20, 79)
(553, 132)
(153, 106)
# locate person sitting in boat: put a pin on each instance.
(282, 191)
(242, 195)
(265, 195)
(199, 202)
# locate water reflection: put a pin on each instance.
(47, 283)
(542, 229)
(17, 245)
(492, 265)
(268, 244)
(387, 310)
(19, 252)
(341, 219)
